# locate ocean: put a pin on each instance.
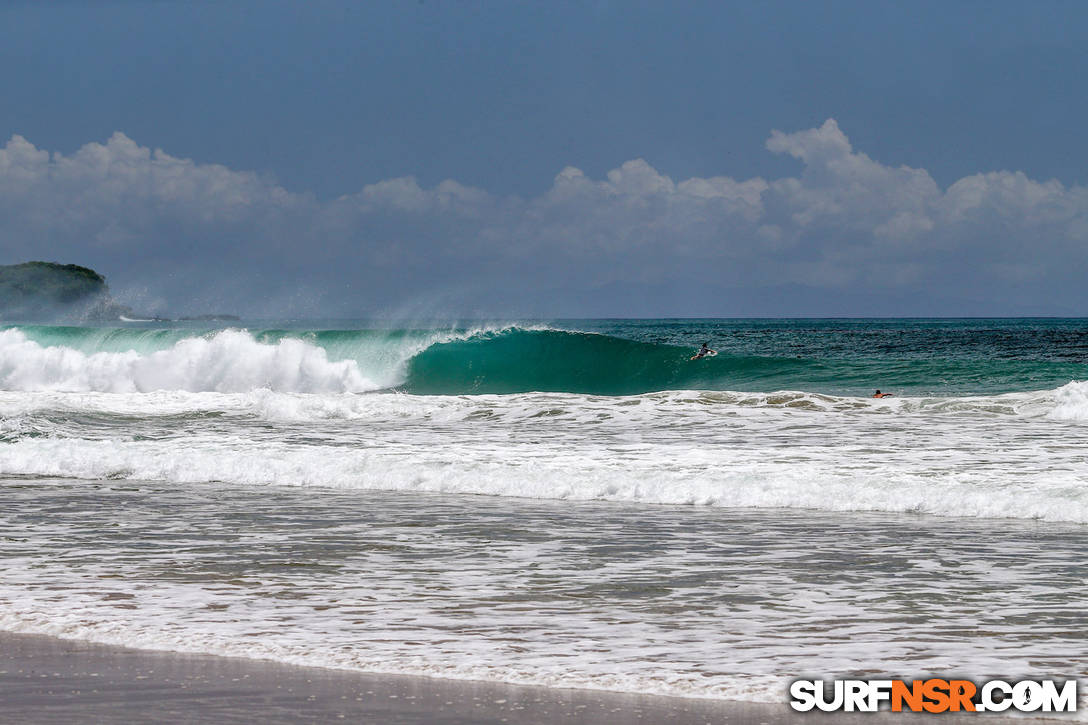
(569, 503)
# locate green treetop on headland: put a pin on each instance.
(46, 290)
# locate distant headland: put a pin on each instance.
(48, 291)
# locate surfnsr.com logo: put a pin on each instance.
(934, 696)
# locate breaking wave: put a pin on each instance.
(502, 360)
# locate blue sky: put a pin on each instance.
(408, 158)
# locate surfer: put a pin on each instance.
(703, 352)
(879, 394)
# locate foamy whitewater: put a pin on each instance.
(572, 504)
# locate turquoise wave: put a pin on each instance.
(556, 361)
(519, 359)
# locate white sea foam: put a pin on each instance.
(225, 361)
(643, 599)
(149, 634)
(1067, 403)
(229, 361)
(978, 459)
(1070, 402)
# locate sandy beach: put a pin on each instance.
(48, 680)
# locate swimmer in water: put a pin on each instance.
(879, 394)
(703, 352)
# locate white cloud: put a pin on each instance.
(847, 192)
(845, 220)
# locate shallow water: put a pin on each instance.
(678, 600)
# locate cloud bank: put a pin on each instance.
(846, 236)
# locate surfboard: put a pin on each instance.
(708, 353)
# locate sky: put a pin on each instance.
(551, 159)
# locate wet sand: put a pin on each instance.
(48, 680)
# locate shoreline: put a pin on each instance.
(45, 680)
